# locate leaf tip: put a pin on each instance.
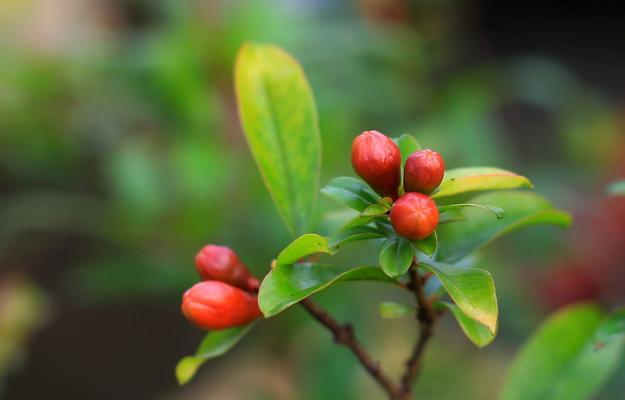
(265, 308)
(185, 370)
(492, 326)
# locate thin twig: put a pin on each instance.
(344, 335)
(426, 319)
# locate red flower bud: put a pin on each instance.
(414, 216)
(220, 263)
(216, 305)
(423, 172)
(377, 160)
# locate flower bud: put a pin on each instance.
(414, 216)
(377, 160)
(216, 305)
(423, 172)
(220, 263)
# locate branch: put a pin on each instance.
(344, 335)
(426, 319)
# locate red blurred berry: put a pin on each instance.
(423, 172)
(216, 305)
(377, 160)
(220, 263)
(414, 216)
(568, 284)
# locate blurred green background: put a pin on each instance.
(121, 155)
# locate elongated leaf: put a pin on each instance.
(569, 357)
(396, 256)
(363, 232)
(288, 284)
(279, 118)
(473, 179)
(472, 289)
(474, 330)
(428, 245)
(460, 239)
(390, 309)
(407, 145)
(305, 245)
(213, 345)
(350, 192)
(499, 212)
(616, 188)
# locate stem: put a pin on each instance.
(426, 319)
(344, 335)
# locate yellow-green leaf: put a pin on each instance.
(286, 285)
(474, 179)
(213, 345)
(472, 289)
(305, 245)
(478, 333)
(279, 118)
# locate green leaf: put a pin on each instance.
(407, 145)
(478, 228)
(474, 330)
(359, 221)
(472, 289)
(362, 232)
(569, 357)
(286, 285)
(450, 216)
(279, 118)
(616, 188)
(473, 179)
(350, 192)
(305, 245)
(390, 309)
(499, 212)
(396, 255)
(213, 345)
(386, 201)
(376, 210)
(428, 245)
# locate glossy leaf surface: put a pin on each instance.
(279, 118)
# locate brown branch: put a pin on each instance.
(344, 335)
(426, 319)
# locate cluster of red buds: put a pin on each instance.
(377, 159)
(227, 295)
